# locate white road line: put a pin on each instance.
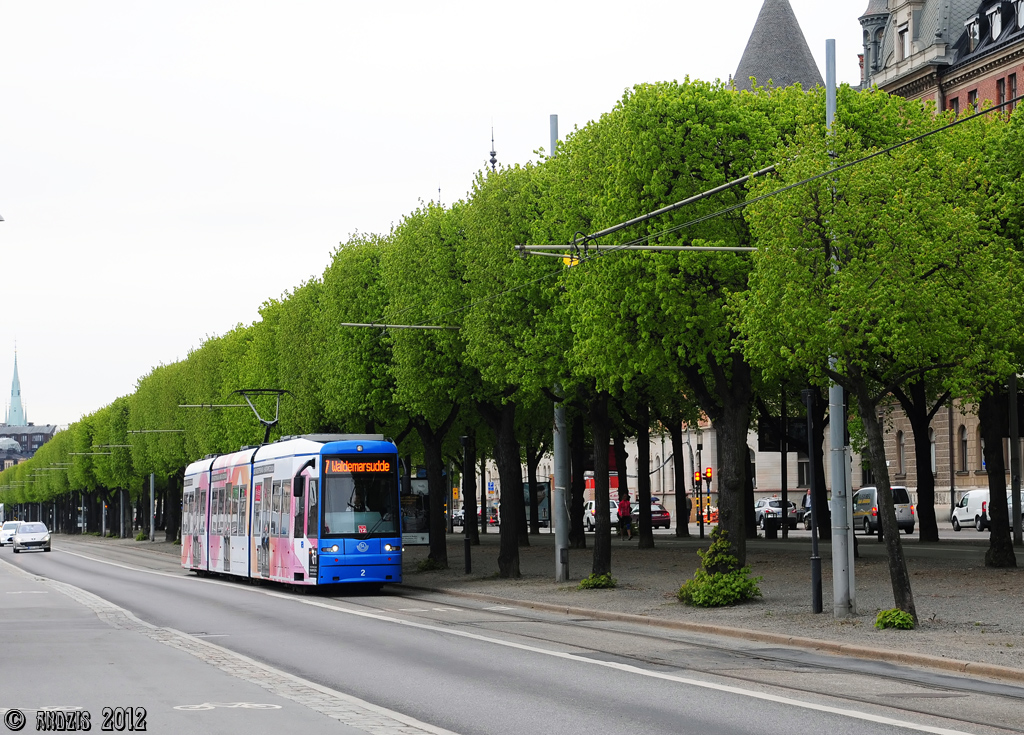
(627, 668)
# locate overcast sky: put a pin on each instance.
(166, 167)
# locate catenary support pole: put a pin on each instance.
(560, 445)
(560, 505)
(1015, 510)
(837, 419)
(152, 506)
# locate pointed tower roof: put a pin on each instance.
(777, 51)
(16, 413)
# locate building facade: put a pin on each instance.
(957, 54)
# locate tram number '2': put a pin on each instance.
(120, 719)
(362, 572)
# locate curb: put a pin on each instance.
(991, 671)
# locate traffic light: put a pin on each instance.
(707, 476)
(696, 477)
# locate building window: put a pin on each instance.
(1019, 8)
(972, 100)
(1001, 91)
(963, 449)
(901, 448)
(1012, 83)
(981, 451)
(973, 33)
(954, 105)
(995, 21)
(931, 448)
(904, 43)
(803, 470)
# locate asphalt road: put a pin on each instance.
(472, 667)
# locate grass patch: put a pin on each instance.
(597, 582)
(894, 618)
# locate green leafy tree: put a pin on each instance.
(423, 279)
(871, 266)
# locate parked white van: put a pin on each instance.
(972, 510)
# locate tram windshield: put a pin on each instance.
(359, 494)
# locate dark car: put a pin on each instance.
(660, 517)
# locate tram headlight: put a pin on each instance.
(334, 549)
(392, 547)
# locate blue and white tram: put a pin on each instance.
(307, 510)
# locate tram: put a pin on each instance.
(317, 509)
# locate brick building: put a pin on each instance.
(955, 53)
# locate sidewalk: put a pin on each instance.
(971, 617)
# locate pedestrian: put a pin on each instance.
(625, 516)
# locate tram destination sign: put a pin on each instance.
(344, 466)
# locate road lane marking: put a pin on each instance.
(626, 668)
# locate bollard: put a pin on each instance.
(469, 559)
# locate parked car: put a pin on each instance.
(590, 520)
(768, 513)
(660, 517)
(865, 509)
(972, 510)
(7, 532)
(458, 517)
(31, 536)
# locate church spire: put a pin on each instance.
(16, 413)
(777, 51)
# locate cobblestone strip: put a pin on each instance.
(337, 705)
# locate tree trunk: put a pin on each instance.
(577, 481)
(675, 430)
(898, 575)
(915, 406)
(172, 510)
(602, 538)
(729, 410)
(994, 422)
(819, 493)
(436, 496)
(469, 506)
(502, 420)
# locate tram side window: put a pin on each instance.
(221, 518)
(202, 511)
(311, 505)
(299, 515)
(214, 517)
(257, 503)
(286, 508)
(243, 510)
(230, 503)
(275, 510)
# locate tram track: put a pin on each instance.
(952, 687)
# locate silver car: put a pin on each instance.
(31, 536)
(7, 532)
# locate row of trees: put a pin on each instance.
(903, 269)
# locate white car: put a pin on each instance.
(31, 536)
(590, 520)
(7, 532)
